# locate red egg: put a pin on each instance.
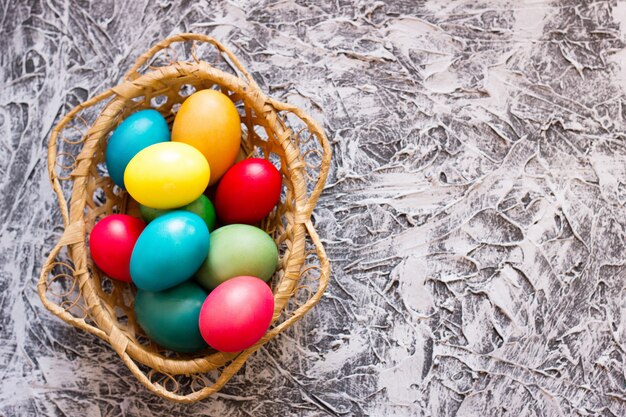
(236, 314)
(111, 244)
(248, 191)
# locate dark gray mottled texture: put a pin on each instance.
(474, 214)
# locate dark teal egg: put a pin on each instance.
(202, 206)
(169, 250)
(170, 317)
(136, 132)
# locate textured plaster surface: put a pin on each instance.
(474, 214)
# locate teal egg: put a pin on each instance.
(202, 206)
(138, 131)
(170, 317)
(169, 250)
(238, 250)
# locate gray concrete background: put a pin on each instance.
(474, 214)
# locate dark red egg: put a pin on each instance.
(248, 191)
(111, 244)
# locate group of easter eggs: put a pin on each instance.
(197, 284)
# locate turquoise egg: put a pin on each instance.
(170, 317)
(169, 250)
(136, 132)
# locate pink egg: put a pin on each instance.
(236, 314)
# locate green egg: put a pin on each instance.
(170, 317)
(237, 250)
(202, 206)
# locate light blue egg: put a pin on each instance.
(136, 132)
(169, 251)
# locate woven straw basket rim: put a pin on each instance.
(296, 213)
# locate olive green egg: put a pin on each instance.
(238, 250)
(201, 206)
(170, 317)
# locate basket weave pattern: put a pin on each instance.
(74, 290)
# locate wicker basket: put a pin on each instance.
(70, 286)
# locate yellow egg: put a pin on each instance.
(167, 175)
(208, 120)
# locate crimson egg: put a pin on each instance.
(248, 191)
(111, 244)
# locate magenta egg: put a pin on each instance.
(236, 314)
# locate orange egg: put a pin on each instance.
(208, 120)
